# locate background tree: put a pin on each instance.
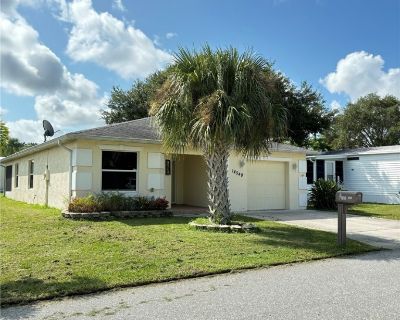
(307, 116)
(4, 135)
(216, 102)
(134, 103)
(371, 121)
(10, 145)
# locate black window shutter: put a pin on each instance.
(320, 169)
(8, 178)
(310, 172)
(339, 170)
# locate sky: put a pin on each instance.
(60, 59)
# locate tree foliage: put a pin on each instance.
(307, 115)
(371, 121)
(4, 134)
(215, 102)
(10, 145)
(134, 103)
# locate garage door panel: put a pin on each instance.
(266, 187)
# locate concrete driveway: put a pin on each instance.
(375, 231)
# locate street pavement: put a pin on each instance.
(355, 287)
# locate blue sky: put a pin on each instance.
(61, 58)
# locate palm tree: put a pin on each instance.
(217, 102)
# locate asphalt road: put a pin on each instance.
(355, 287)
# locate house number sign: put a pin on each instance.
(240, 174)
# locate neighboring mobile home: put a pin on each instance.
(373, 171)
(129, 157)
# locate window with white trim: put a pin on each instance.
(119, 171)
(31, 168)
(16, 175)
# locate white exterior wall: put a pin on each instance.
(376, 176)
(151, 179)
(57, 160)
(296, 185)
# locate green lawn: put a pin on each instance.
(387, 211)
(44, 255)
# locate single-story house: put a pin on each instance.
(374, 171)
(128, 157)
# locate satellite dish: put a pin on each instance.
(48, 129)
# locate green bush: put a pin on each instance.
(159, 204)
(115, 201)
(322, 194)
(85, 204)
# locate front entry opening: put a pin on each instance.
(189, 181)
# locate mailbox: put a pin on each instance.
(343, 200)
(348, 197)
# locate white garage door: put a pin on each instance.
(266, 187)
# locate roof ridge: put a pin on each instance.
(108, 125)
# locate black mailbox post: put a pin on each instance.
(344, 199)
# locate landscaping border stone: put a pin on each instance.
(104, 215)
(244, 228)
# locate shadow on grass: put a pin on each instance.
(137, 222)
(317, 241)
(32, 289)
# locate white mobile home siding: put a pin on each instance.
(377, 176)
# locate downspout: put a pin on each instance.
(70, 169)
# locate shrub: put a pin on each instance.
(143, 203)
(115, 201)
(159, 204)
(84, 204)
(322, 194)
(112, 201)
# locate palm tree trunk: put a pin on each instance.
(218, 194)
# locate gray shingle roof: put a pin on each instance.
(360, 151)
(134, 130)
(283, 147)
(141, 129)
(145, 129)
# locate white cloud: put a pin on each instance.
(109, 42)
(361, 73)
(26, 130)
(117, 4)
(335, 105)
(69, 100)
(171, 35)
(3, 111)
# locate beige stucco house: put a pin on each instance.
(129, 157)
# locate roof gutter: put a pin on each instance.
(37, 148)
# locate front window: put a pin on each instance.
(31, 168)
(16, 175)
(330, 170)
(119, 171)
